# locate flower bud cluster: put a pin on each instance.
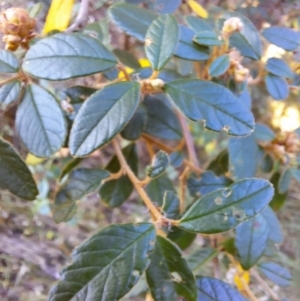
(231, 25)
(17, 27)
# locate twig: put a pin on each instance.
(255, 274)
(124, 71)
(114, 176)
(182, 187)
(82, 16)
(189, 140)
(135, 181)
(8, 80)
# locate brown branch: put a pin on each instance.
(82, 17)
(189, 140)
(182, 188)
(8, 80)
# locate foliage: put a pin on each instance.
(200, 70)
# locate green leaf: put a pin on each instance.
(279, 198)
(200, 257)
(176, 158)
(276, 273)
(248, 35)
(275, 232)
(69, 167)
(162, 122)
(277, 86)
(10, 92)
(207, 38)
(132, 19)
(127, 58)
(159, 164)
(279, 67)
(161, 40)
(251, 240)
(67, 55)
(284, 181)
(182, 238)
(295, 173)
(219, 66)
(40, 122)
(263, 133)
(207, 183)
(197, 24)
(244, 157)
(81, 182)
(226, 208)
(8, 62)
(211, 289)
(14, 173)
(171, 205)
(157, 187)
(134, 128)
(283, 37)
(220, 164)
(115, 192)
(103, 116)
(203, 100)
(168, 274)
(189, 50)
(107, 265)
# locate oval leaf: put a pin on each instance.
(67, 55)
(207, 38)
(14, 173)
(200, 257)
(276, 273)
(168, 274)
(159, 164)
(102, 116)
(283, 37)
(132, 19)
(197, 24)
(251, 240)
(203, 100)
(40, 122)
(10, 92)
(275, 232)
(189, 50)
(164, 6)
(226, 208)
(211, 289)
(8, 62)
(277, 86)
(161, 40)
(171, 205)
(220, 65)
(109, 264)
(279, 67)
(81, 182)
(263, 133)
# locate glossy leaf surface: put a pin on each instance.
(211, 289)
(203, 100)
(226, 208)
(168, 274)
(200, 257)
(219, 66)
(102, 116)
(159, 164)
(207, 38)
(171, 204)
(110, 263)
(161, 40)
(40, 122)
(14, 173)
(251, 240)
(67, 55)
(8, 62)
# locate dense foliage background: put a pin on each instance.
(37, 238)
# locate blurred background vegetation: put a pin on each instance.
(33, 248)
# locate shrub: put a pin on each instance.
(203, 69)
